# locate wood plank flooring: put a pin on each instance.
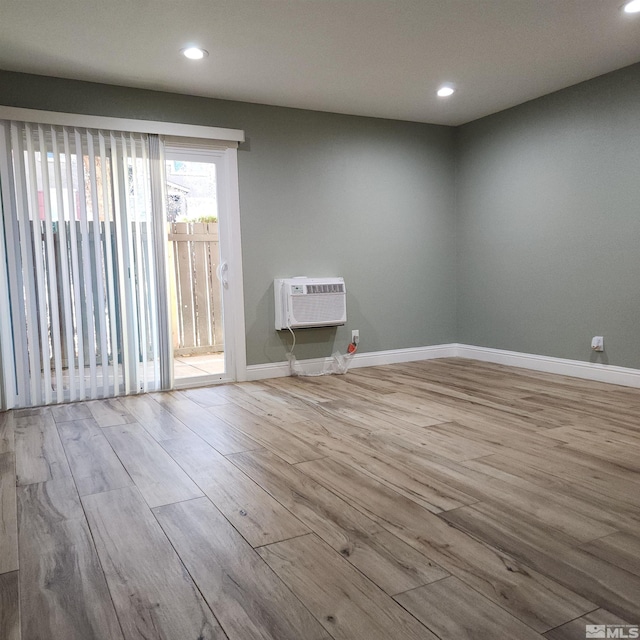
(445, 499)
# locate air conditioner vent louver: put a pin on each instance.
(325, 288)
(309, 302)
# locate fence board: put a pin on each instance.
(201, 291)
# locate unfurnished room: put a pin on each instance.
(319, 319)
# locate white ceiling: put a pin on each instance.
(380, 58)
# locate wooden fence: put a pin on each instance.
(194, 288)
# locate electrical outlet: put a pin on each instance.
(597, 343)
(355, 336)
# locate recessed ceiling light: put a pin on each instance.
(632, 7)
(445, 91)
(194, 53)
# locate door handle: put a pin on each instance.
(223, 274)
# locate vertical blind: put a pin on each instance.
(78, 264)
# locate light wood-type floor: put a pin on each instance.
(445, 499)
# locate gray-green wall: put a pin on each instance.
(320, 194)
(548, 200)
(519, 231)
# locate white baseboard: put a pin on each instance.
(394, 356)
(562, 366)
(371, 359)
(575, 368)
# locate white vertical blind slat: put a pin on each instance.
(98, 266)
(157, 179)
(86, 268)
(117, 166)
(8, 373)
(110, 283)
(33, 350)
(51, 270)
(7, 368)
(131, 272)
(139, 262)
(64, 264)
(15, 356)
(149, 271)
(75, 268)
(44, 366)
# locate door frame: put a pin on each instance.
(225, 157)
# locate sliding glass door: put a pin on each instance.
(87, 292)
(78, 250)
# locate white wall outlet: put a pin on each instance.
(355, 336)
(597, 343)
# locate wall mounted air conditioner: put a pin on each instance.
(310, 302)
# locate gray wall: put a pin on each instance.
(537, 208)
(320, 194)
(548, 199)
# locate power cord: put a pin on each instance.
(293, 346)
